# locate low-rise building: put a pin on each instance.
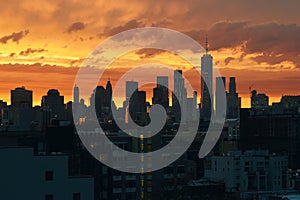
(251, 171)
(25, 176)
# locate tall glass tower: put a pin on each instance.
(206, 85)
(76, 94)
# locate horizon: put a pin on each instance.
(149, 95)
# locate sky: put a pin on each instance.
(44, 43)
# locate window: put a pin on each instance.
(49, 175)
(49, 197)
(130, 184)
(104, 170)
(180, 169)
(149, 183)
(168, 170)
(76, 196)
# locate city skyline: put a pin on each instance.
(21, 100)
(193, 99)
(121, 99)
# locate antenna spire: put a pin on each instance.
(206, 44)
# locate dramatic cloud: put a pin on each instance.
(76, 63)
(15, 37)
(275, 42)
(108, 31)
(77, 26)
(227, 60)
(12, 54)
(148, 53)
(31, 51)
(271, 42)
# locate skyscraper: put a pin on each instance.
(233, 101)
(192, 107)
(20, 114)
(161, 93)
(206, 85)
(108, 101)
(135, 103)
(54, 103)
(108, 89)
(259, 100)
(220, 88)
(131, 86)
(232, 85)
(76, 94)
(21, 98)
(178, 83)
(179, 96)
(99, 97)
(101, 101)
(162, 81)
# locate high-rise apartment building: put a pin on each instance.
(21, 98)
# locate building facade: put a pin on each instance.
(251, 171)
(24, 176)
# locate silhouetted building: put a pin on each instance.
(135, 104)
(25, 176)
(287, 105)
(220, 88)
(192, 107)
(233, 101)
(3, 105)
(259, 101)
(278, 133)
(99, 100)
(249, 172)
(105, 101)
(60, 137)
(167, 183)
(54, 104)
(18, 119)
(108, 91)
(76, 94)
(161, 93)
(179, 96)
(206, 85)
(131, 87)
(21, 98)
(137, 107)
(229, 138)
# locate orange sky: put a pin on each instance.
(42, 43)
